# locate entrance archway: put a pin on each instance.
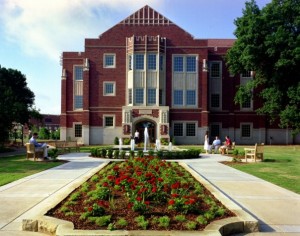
(140, 127)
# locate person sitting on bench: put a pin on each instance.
(38, 146)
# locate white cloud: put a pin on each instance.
(46, 28)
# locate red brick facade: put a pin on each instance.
(113, 98)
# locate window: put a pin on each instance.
(178, 129)
(245, 78)
(178, 64)
(151, 96)
(109, 60)
(109, 89)
(215, 100)
(139, 62)
(139, 96)
(190, 97)
(246, 130)
(78, 103)
(190, 129)
(130, 96)
(247, 103)
(152, 62)
(78, 130)
(246, 74)
(160, 96)
(191, 64)
(161, 62)
(178, 97)
(130, 62)
(108, 121)
(78, 72)
(215, 70)
(214, 130)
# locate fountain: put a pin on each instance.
(146, 139)
(120, 144)
(170, 146)
(157, 144)
(132, 143)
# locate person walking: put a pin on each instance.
(206, 143)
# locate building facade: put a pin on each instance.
(148, 72)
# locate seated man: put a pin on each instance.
(227, 144)
(38, 146)
(215, 145)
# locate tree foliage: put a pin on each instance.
(16, 101)
(268, 42)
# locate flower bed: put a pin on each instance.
(141, 193)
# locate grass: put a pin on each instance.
(16, 167)
(281, 166)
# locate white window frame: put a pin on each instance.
(251, 130)
(104, 60)
(104, 120)
(74, 124)
(104, 88)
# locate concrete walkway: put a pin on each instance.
(277, 209)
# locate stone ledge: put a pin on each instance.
(242, 223)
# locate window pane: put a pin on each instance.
(139, 62)
(109, 121)
(191, 129)
(78, 130)
(215, 70)
(130, 62)
(178, 64)
(160, 96)
(109, 60)
(78, 103)
(178, 129)
(109, 88)
(152, 62)
(139, 96)
(246, 131)
(191, 64)
(178, 97)
(78, 73)
(130, 96)
(246, 74)
(151, 96)
(215, 100)
(190, 97)
(247, 103)
(161, 62)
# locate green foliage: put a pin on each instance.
(16, 101)
(75, 196)
(191, 225)
(235, 152)
(268, 43)
(122, 154)
(116, 141)
(103, 220)
(121, 223)
(164, 221)
(53, 153)
(44, 133)
(126, 141)
(141, 222)
(164, 141)
(140, 153)
(201, 220)
(180, 218)
(116, 154)
(109, 153)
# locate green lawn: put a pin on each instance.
(17, 167)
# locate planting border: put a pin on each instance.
(242, 223)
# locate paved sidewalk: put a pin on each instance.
(277, 209)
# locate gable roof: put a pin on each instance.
(146, 16)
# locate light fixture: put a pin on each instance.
(204, 66)
(86, 64)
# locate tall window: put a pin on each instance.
(178, 97)
(178, 64)
(78, 130)
(215, 70)
(78, 103)
(78, 72)
(215, 100)
(109, 89)
(152, 96)
(139, 96)
(191, 64)
(245, 78)
(190, 97)
(152, 62)
(161, 62)
(109, 60)
(139, 62)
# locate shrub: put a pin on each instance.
(164, 221)
(121, 223)
(131, 153)
(123, 154)
(164, 141)
(191, 225)
(103, 220)
(235, 152)
(140, 153)
(100, 193)
(116, 154)
(201, 220)
(75, 196)
(116, 141)
(110, 153)
(126, 141)
(180, 218)
(103, 152)
(141, 222)
(151, 153)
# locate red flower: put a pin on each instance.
(90, 209)
(147, 202)
(174, 195)
(105, 184)
(171, 202)
(139, 199)
(159, 179)
(154, 189)
(175, 185)
(129, 205)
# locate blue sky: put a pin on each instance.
(34, 33)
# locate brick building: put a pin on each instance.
(147, 71)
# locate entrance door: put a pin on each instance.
(151, 130)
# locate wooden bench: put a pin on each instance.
(230, 148)
(255, 153)
(64, 145)
(32, 152)
(72, 144)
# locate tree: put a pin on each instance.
(16, 101)
(268, 42)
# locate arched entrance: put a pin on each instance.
(140, 126)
